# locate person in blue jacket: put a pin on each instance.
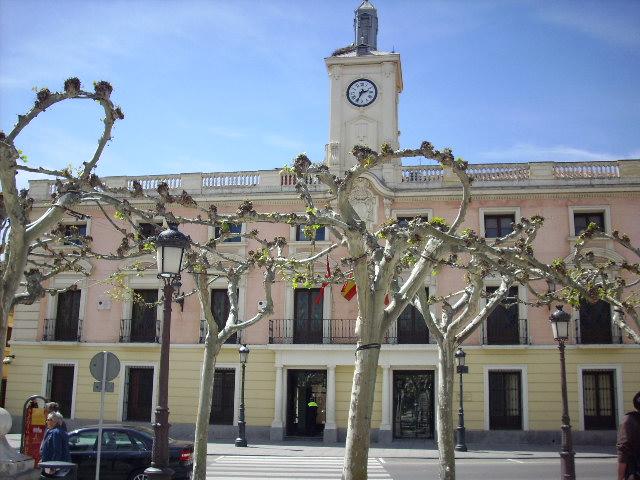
(55, 444)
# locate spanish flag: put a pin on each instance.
(349, 290)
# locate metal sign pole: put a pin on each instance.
(102, 389)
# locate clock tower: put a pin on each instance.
(365, 88)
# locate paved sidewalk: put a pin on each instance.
(410, 450)
(427, 450)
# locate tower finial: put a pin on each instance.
(365, 25)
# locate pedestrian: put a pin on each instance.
(629, 444)
(50, 407)
(55, 444)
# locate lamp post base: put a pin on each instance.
(461, 444)
(155, 473)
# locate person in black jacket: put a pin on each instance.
(629, 444)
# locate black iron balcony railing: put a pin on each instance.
(134, 330)
(62, 330)
(324, 330)
(513, 334)
(233, 339)
(603, 334)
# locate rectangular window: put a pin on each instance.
(411, 326)
(498, 225)
(404, 221)
(74, 232)
(144, 320)
(224, 387)
(301, 237)
(233, 228)
(149, 229)
(60, 387)
(67, 316)
(307, 322)
(581, 221)
(220, 308)
(138, 393)
(505, 400)
(599, 399)
(503, 325)
(595, 322)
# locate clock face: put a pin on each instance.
(362, 92)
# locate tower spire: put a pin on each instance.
(365, 26)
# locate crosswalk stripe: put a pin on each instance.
(252, 467)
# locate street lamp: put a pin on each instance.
(461, 368)
(560, 326)
(241, 441)
(170, 247)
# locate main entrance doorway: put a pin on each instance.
(413, 404)
(306, 401)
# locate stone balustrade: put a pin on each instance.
(399, 177)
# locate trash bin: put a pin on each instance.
(66, 470)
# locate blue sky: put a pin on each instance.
(242, 85)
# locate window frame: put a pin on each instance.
(618, 389)
(484, 211)
(493, 282)
(236, 392)
(46, 370)
(524, 392)
(67, 222)
(231, 241)
(573, 209)
(122, 392)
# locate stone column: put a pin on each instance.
(385, 434)
(330, 428)
(277, 427)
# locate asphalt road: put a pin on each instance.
(500, 469)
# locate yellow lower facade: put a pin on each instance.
(268, 390)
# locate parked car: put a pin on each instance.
(125, 453)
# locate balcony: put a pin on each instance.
(336, 331)
(233, 339)
(133, 330)
(62, 330)
(506, 334)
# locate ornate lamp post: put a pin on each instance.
(461, 368)
(170, 246)
(241, 441)
(560, 326)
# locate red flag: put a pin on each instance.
(324, 284)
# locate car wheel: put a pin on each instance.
(139, 475)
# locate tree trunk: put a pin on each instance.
(211, 349)
(445, 435)
(362, 392)
(4, 321)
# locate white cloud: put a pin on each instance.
(536, 153)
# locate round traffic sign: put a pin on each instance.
(97, 364)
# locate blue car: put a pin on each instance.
(125, 454)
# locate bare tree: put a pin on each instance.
(25, 260)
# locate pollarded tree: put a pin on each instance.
(24, 233)
(378, 259)
(206, 263)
